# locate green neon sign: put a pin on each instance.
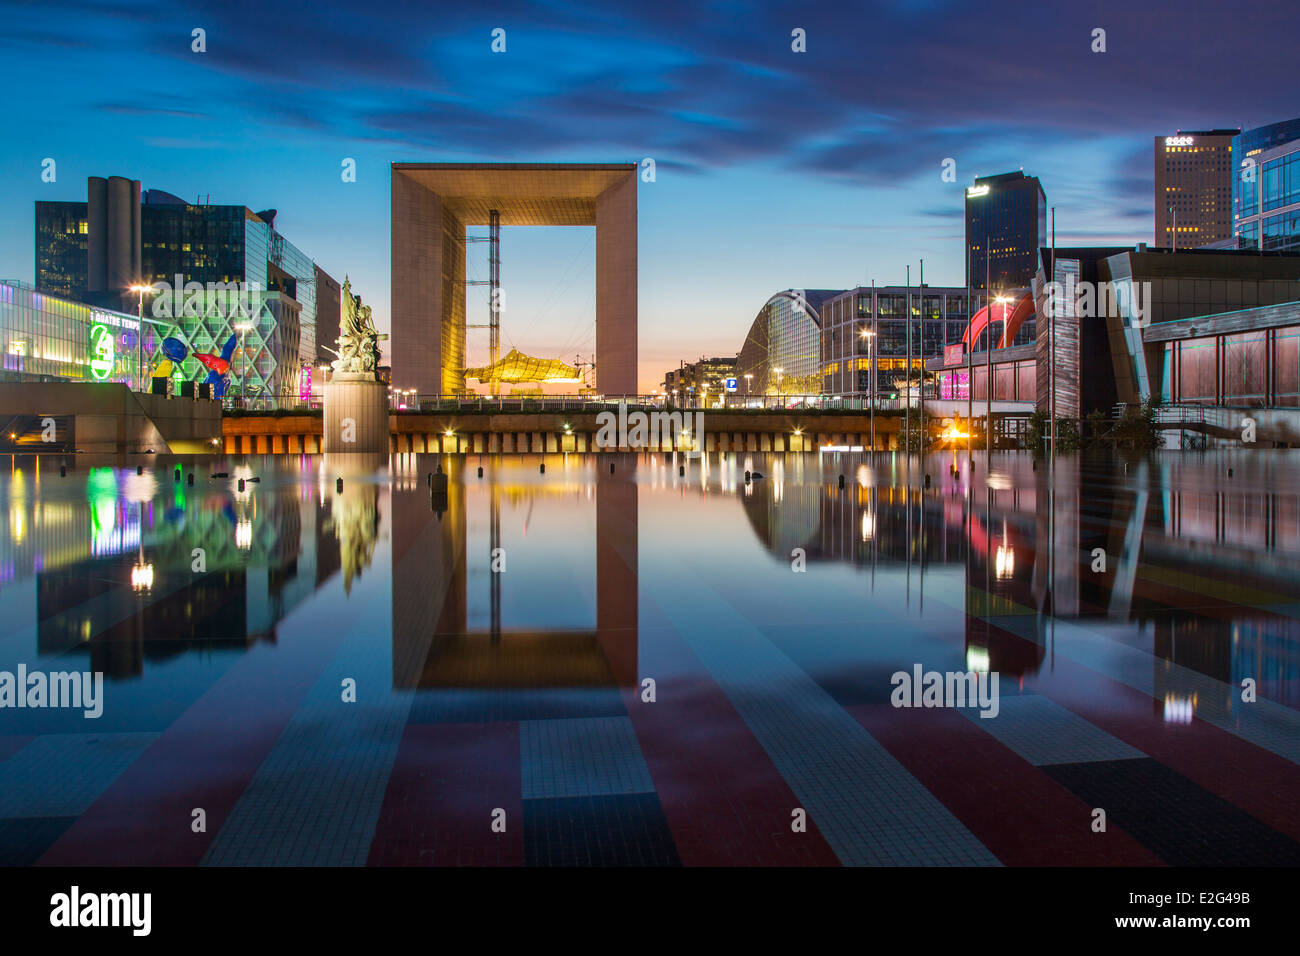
(103, 351)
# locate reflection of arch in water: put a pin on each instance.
(432, 647)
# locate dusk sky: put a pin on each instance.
(774, 169)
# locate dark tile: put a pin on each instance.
(24, 839)
(512, 704)
(624, 830)
(1184, 824)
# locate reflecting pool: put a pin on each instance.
(651, 660)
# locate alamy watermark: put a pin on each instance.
(230, 300)
(1085, 300)
(648, 430)
(950, 689)
(37, 689)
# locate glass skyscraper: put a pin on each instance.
(1006, 224)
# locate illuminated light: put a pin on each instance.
(953, 433)
(977, 659)
(244, 534)
(868, 525)
(1178, 709)
(834, 448)
(974, 191)
(103, 351)
(142, 577)
(1178, 140)
(1004, 562)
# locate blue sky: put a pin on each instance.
(774, 169)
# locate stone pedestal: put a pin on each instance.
(356, 416)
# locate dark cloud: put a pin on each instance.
(885, 91)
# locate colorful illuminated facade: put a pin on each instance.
(48, 338)
(93, 251)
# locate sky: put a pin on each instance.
(774, 169)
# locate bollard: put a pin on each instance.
(1229, 472)
(189, 480)
(63, 471)
(611, 468)
(338, 485)
(139, 469)
(747, 476)
(542, 469)
(241, 484)
(428, 479)
(178, 474)
(927, 480)
(480, 471)
(841, 481)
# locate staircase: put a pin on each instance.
(31, 434)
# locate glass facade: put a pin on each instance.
(1249, 145)
(217, 244)
(1006, 222)
(1266, 193)
(48, 338)
(781, 354)
(848, 353)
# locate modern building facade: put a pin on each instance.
(433, 203)
(1006, 224)
(94, 251)
(699, 382)
(866, 326)
(1199, 327)
(1193, 187)
(781, 354)
(1267, 187)
(48, 338)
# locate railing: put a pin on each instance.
(1203, 416)
(487, 404)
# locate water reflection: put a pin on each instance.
(1168, 555)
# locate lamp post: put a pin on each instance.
(140, 289)
(871, 380)
(241, 328)
(749, 378)
(779, 396)
(988, 360)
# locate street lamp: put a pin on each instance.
(779, 397)
(870, 336)
(242, 327)
(140, 289)
(988, 364)
(749, 377)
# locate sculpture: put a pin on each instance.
(358, 341)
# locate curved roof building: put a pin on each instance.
(782, 350)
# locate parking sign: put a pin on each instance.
(731, 384)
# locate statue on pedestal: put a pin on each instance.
(358, 341)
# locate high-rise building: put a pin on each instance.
(1266, 187)
(1006, 223)
(93, 251)
(1193, 186)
